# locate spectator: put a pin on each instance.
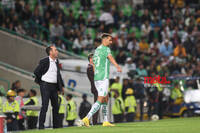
(130, 105)
(16, 85)
(155, 45)
(60, 44)
(56, 30)
(11, 110)
(18, 6)
(155, 33)
(146, 28)
(129, 66)
(122, 42)
(146, 16)
(26, 13)
(143, 45)
(176, 94)
(19, 99)
(71, 110)
(141, 71)
(107, 18)
(81, 20)
(134, 19)
(78, 45)
(118, 108)
(88, 43)
(165, 33)
(122, 31)
(121, 57)
(133, 44)
(36, 17)
(19, 29)
(32, 116)
(62, 109)
(180, 51)
(166, 48)
(85, 107)
(139, 94)
(86, 4)
(92, 20)
(125, 87)
(116, 86)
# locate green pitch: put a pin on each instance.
(181, 125)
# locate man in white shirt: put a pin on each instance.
(47, 75)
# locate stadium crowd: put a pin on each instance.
(157, 37)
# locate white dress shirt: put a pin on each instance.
(51, 75)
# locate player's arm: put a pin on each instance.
(112, 60)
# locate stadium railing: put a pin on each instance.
(41, 43)
(16, 69)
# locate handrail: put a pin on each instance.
(8, 83)
(5, 80)
(35, 86)
(41, 43)
(16, 69)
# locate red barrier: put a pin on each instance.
(2, 123)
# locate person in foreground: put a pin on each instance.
(102, 58)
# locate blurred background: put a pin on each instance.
(150, 38)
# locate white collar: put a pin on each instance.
(51, 60)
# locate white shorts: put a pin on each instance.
(102, 87)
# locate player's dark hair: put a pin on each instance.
(90, 56)
(48, 49)
(105, 35)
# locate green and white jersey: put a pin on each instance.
(101, 63)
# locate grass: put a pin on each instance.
(179, 125)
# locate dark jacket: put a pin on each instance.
(43, 67)
(90, 74)
(84, 109)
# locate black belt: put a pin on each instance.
(49, 83)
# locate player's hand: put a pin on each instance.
(119, 69)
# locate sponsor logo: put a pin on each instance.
(156, 79)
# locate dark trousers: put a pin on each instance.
(12, 126)
(95, 116)
(48, 91)
(150, 109)
(60, 120)
(130, 117)
(32, 122)
(118, 118)
(141, 109)
(21, 124)
(70, 123)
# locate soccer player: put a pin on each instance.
(102, 58)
